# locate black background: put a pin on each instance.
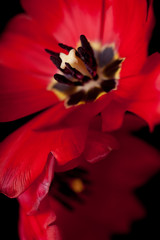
(148, 228)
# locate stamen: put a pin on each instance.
(76, 98)
(62, 79)
(92, 94)
(76, 74)
(54, 58)
(70, 187)
(87, 55)
(65, 47)
(108, 85)
(89, 61)
(112, 68)
(79, 72)
(86, 45)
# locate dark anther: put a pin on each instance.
(86, 45)
(62, 79)
(88, 58)
(51, 52)
(55, 58)
(92, 94)
(76, 74)
(108, 85)
(89, 61)
(112, 68)
(76, 98)
(63, 46)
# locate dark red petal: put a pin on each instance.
(64, 19)
(41, 225)
(111, 206)
(98, 146)
(22, 94)
(32, 197)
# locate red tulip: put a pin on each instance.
(113, 75)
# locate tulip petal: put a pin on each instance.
(98, 146)
(23, 44)
(24, 152)
(39, 226)
(32, 197)
(64, 19)
(112, 115)
(129, 25)
(146, 103)
(22, 94)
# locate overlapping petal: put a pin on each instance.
(32, 197)
(110, 205)
(24, 153)
(39, 226)
(64, 132)
(129, 24)
(147, 100)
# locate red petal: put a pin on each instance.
(22, 94)
(24, 152)
(146, 102)
(40, 225)
(32, 197)
(98, 146)
(64, 19)
(113, 114)
(127, 25)
(23, 45)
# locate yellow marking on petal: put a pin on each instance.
(101, 94)
(117, 74)
(77, 185)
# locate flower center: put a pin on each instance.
(70, 187)
(85, 73)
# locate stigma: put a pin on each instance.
(74, 61)
(84, 73)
